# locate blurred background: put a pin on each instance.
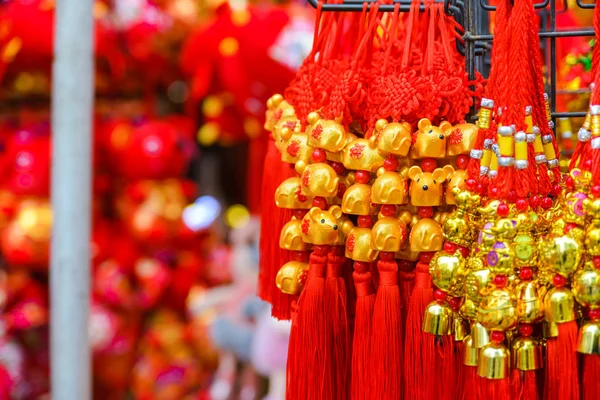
(179, 145)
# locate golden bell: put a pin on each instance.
(588, 341)
(438, 319)
(393, 138)
(461, 139)
(319, 180)
(559, 305)
(288, 195)
(497, 311)
(480, 335)
(448, 272)
(328, 135)
(494, 362)
(291, 276)
(529, 304)
(459, 328)
(549, 329)
(426, 235)
(291, 236)
(585, 285)
(390, 188)
(562, 253)
(358, 245)
(430, 140)
(361, 154)
(389, 234)
(526, 354)
(471, 353)
(357, 200)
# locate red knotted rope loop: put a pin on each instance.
(422, 277)
(388, 273)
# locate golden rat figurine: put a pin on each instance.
(277, 108)
(328, 135)
(426, 188)
(393, 138)
(430, 140)
(461, 138)
(320, 227)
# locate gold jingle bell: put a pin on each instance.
(529, 304)
(526, 354)
(480, 335)
(448, 272)
(494, 362)
(559, 305)
(497, 311)
(586, 285)
(471, 353)
(438, 319)
(291, 276)
(588, 341)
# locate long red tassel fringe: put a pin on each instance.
(524, 385)
(562, 377)
(590, 384)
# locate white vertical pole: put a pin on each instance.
(72, 103)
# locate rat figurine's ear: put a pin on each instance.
(313, 213)
(424, 123)
(380, 124)
(406, 217)
(313, 118)
(415, 172)
(286, 133)
(300, 166)
(446, 128)
(439, 174)
(347, 226)
(336, 211)
(448, 170)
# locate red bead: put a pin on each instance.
(464, 251)
(587, 165)
(526, 273)
(338, 167)
(361, 266)
(494, 193)
(596, 261)
(365, 221)
(559, 281)
(556, 190)
(546, 203)
(387, 255)
(534, 201)
(500, 280)
(596, 191)
(300, 256)
(425, 212)
(526, 329)
(428, 165)
(390, 164)
(471, 184)
(319, 155)
(480, 189)
(503, 210)
(299, 213)
(497, 337)
(320, 202)
(426, 256)
(405, 265)
(462, 161)
(389, 210)
(439, 295)
(570, 226)
(450, 247)
(455, 302)
(512, 196)
(594, 314)
(321, 249)
(362, 176)
(522, 204)
(569, 183)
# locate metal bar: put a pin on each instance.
(552, 99)
(588, 6)
(72, 104)
(568, 114)
(487, 7)
(358, 6)
(543, 35)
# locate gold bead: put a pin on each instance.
(586, 286)
(527, 354)
(448, 272)
(595, 120)
(562, 254)
(588, 341)
(497, 311)
(529, 304)
(438, 319)
(290, 277)
(494, 362)
(559, 305)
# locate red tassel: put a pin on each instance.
(415, 355)
(306, 357)
(406, 281)
(293, 349)
(439, 372)
(524, 385)
(337, 336)
(460, 367)
(470, 383)
(387, 332)
(363, 324)
(271, 256)
(590, 384)
(495, 389)
(562, 377)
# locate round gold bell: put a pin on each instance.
(494, 362)
(529, 304)
(471, 353)
(290, 277)
(549, 329)
(480, 335)
(526, 354)
(586, 285)
(448, 272)
(438, 319)
(559, 306)
(588, 341)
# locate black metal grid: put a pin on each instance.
(474, 17)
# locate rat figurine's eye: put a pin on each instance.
(322, 221)
(430, 131)
(434, 182)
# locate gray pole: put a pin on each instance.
(72, 104)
